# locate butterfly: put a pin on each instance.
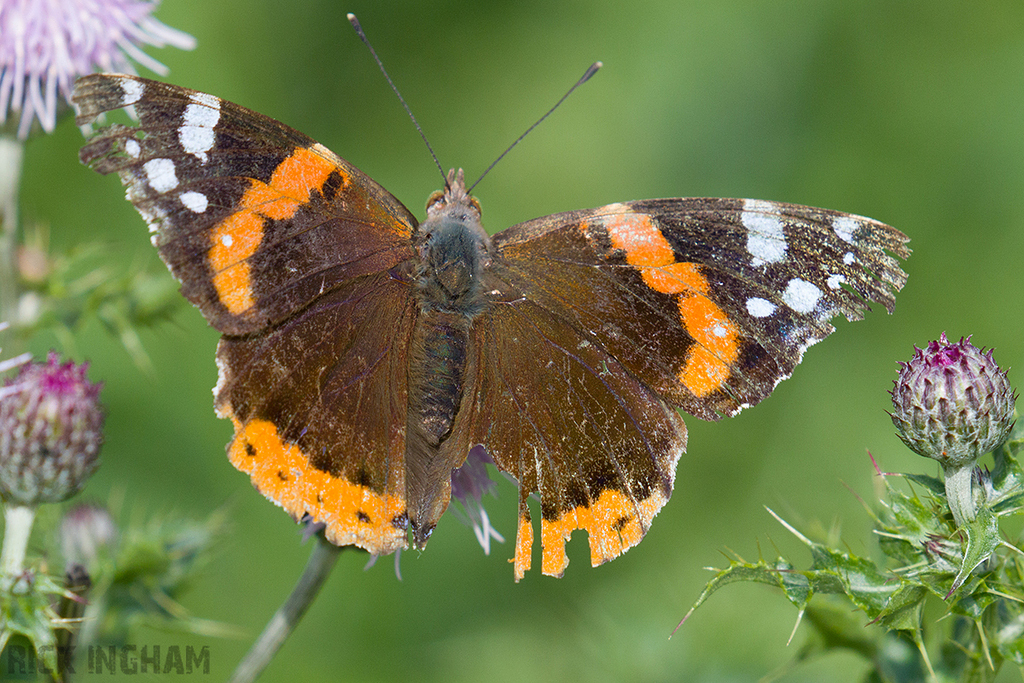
(365, 353)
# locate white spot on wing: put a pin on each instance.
(194, 201)
(801, 296)
(760, 308)
(849, 259)
(834, 281)
(132, 91)
(846, 227)
(227, 240)
(222, 381)
(160, 173)
(766, 240)
(131, 146)
(196, 133)
(210, 101)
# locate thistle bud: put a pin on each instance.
(953, 404)
(50, 432)
(86, 531)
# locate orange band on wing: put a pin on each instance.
(709, 361)
(354, 514)
(614, 522)
(236, 238)
(524, 543)
(638, 236)
(675, 278)
(295, 179)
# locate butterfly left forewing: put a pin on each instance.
(254, 218)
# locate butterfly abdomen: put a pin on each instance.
(436, 372)
(437, 366)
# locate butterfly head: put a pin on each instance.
(453, 249)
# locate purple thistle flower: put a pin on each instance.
(46, 44)
(469, 484)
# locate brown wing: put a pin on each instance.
(295, 256)
(566, 419)
(319, 403)
(603, 319)
(711, 302)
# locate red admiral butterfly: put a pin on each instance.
(365, 353)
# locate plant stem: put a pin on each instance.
(11, 153)
(17, 529)
(960, 493)
(287, 617)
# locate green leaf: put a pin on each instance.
(26, 610)
(982, 540)
(839, 572)
(903, 610)
(936, 486)
(974, 604)
(761, 572)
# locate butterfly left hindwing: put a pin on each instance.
(365, 354)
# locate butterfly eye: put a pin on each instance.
(435, 197)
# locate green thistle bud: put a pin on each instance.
(50, 432)
(953, 404)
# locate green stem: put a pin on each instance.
(281, 625)
(17, 529)
(11, 154)
(70, 610)
(960, 493)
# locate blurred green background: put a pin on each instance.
(911, 112)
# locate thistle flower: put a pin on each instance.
(953, 403)
(50, 433)
(46, 44)
(469, 484)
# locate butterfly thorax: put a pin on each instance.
(453, 252)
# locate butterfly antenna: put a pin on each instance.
(366, 41)
(586, 77)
